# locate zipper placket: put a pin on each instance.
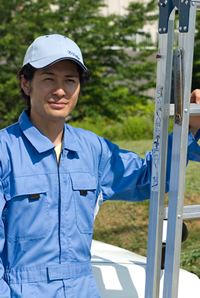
(59, 205)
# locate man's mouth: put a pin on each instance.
(57, 104)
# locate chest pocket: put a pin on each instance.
(84, 191)
(26, 215)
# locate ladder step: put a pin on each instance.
(189, 212)
(194, 109)
(197, 3)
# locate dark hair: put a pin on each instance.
(28, 71)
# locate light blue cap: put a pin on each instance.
(49, 49)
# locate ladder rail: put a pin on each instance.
(176, 211)
(161, 124)
(178, 168)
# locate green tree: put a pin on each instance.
(119, 75)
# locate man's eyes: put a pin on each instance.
(70, 80)
(48, 79)
(67, 80)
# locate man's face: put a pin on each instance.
(53, 91)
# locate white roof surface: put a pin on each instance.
(120, 273)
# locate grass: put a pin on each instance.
(126, 224)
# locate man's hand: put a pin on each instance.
(194, 123)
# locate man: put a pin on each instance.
(55, 177)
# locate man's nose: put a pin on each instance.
(59, 91)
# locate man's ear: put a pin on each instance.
(25, 85)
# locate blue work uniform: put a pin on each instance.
(47, 211)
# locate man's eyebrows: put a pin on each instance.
(47, 73)
(72, 76)
(53, 74)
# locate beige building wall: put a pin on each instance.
(116, 6)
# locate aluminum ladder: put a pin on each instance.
(183, 60)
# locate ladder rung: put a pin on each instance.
(194, 109)
(197, 3)
(189, 212)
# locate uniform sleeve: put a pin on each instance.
(193, 147)
(125, 176)
(4, 288)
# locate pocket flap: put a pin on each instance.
(26, 185)
(83, 181)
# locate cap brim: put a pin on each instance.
(45, 62)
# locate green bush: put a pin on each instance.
(137, 125)
(138, 128)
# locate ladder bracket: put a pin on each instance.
(165, 9)
(178, 86)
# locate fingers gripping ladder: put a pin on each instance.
(183, 61)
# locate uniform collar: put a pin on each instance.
(40, 142)
(70, 141)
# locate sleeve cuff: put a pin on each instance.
(197, 136)
(193, 147)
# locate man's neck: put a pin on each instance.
(53, 130)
